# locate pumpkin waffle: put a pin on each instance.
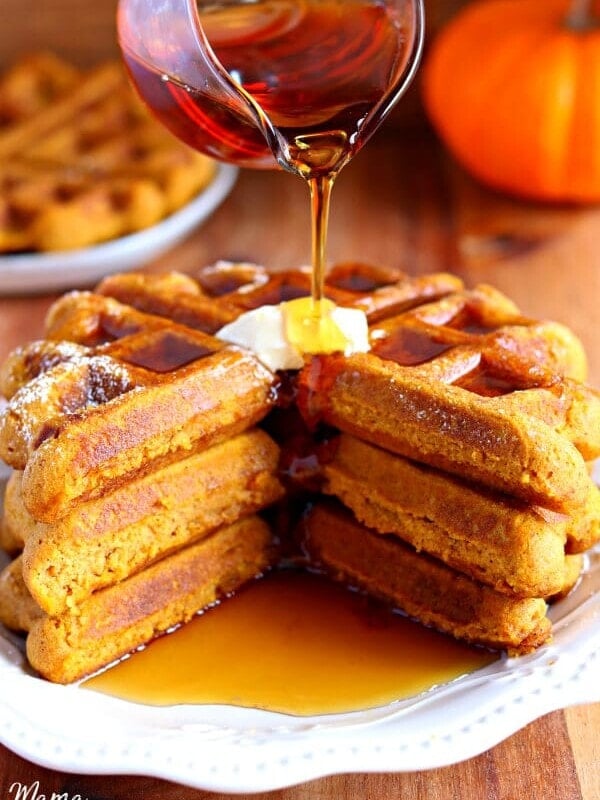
(467, 385)
(83, 161)
(115, 621)
(102, 542)
(421, 586)
(149, 394)
(493, 538)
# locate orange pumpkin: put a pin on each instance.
(513, 89)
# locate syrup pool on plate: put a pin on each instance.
(295, 643)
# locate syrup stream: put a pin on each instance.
(320, 195)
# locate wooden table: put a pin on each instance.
(403, 203)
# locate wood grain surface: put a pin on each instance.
(402, 202)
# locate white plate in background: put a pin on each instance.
(48, 272)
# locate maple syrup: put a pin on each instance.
(296, 643)
(469, 321)
(408, 347)
(361, 278)
(275, 292)
(166, 352)
(217, 283)
(111, 329)
(486, 382)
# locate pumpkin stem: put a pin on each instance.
(580, 16)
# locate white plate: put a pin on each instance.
(37, 272)
(229, 749)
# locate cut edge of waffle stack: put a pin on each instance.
(82, 161)
(458, 378)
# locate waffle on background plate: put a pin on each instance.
(446, 469)
(81, 160)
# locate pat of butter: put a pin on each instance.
(264, 330)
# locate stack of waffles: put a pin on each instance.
(139, 469)
(82, 161)
(451, 461)
(463, 489)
